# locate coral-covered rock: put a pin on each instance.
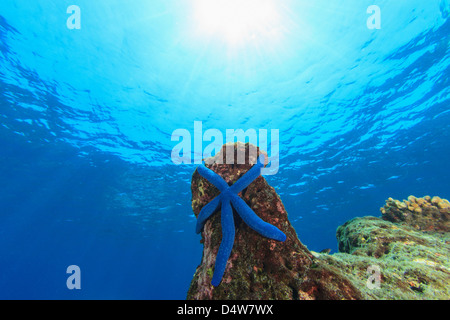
(429, 214)
(259, 268)
(374, 237)
(404, 255)
(413, 261)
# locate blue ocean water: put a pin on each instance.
(86, 118)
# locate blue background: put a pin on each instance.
(86, 118)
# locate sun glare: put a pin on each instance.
(237, 21)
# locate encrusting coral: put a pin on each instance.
(428, 214)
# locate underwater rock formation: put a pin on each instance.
(259, 268)
(227, 201)
(402, 255)
(410, 253)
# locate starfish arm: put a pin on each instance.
(212, 177)
(256, 223)
(248, 178)
(206, 212)
(227, 243)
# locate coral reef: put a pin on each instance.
(402, 255)
(430, 214)
(259, 268)
(411, 253)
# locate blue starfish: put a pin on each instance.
(228, 196)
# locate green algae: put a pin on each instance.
(413, 264)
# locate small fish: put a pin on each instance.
(325, 251)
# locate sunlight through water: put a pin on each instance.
(236, 21)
